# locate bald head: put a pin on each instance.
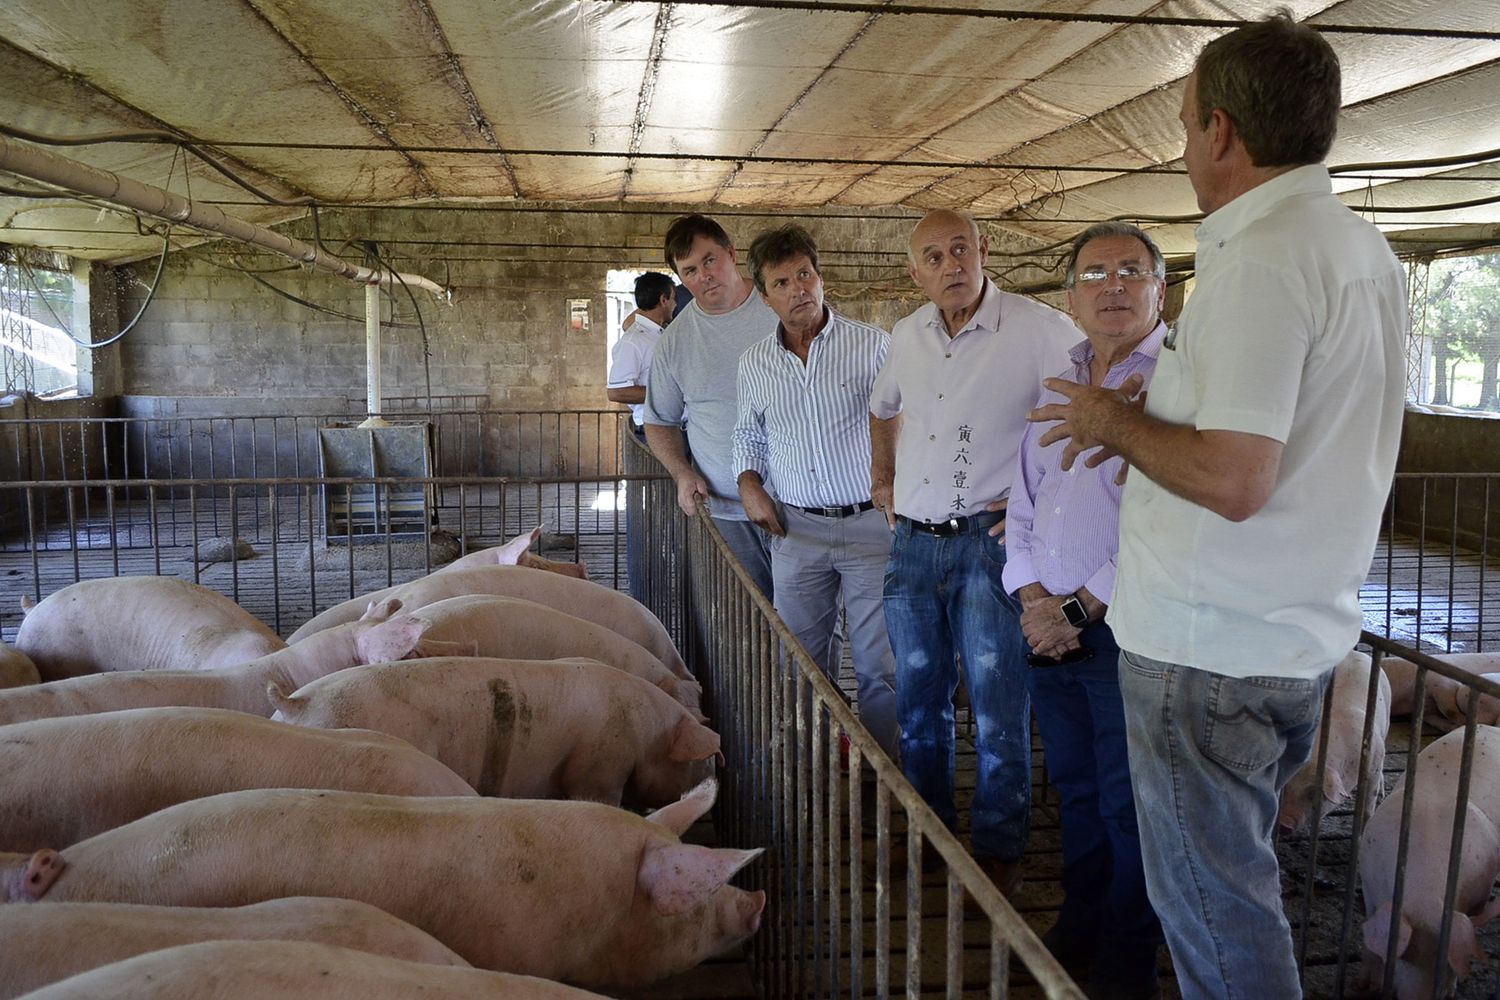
(939, 219)
(947, 258)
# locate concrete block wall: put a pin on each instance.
(1442, 443)
(213, 332)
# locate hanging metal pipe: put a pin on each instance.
(33, 163)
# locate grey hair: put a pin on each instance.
(1100, 230)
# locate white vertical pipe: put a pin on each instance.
(372, 351)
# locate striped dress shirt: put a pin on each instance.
(806, 428)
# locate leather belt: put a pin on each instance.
(848, 510)
(955, 525)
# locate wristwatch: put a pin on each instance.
(1074, 611)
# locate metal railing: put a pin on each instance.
(848, 912)
(166, 526)
(1334, 851)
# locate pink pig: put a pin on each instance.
(1341, 773)
(49, 942)
(510, 628)
(294, 970)
(376, 638)
(139, 623)
(514, 553)
(1447, 699)
(16, 668)
(573, 891)
(532, 729)
(70, 778)
(580, 598)
(1420, 921)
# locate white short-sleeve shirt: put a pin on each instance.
(963, 400)
(1296, 332)
(630, 364)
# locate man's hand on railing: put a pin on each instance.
(691, 488)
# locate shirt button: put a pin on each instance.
(1052, 552)
(1057, 510)
(940, 395)
(925, 480)
(948, 355)
(932, 437)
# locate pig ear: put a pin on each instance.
(390, 640)
(381, 610)
(1463, 946)
(692, 740)
(1377, 931)
(511, 552)
(680, 877)
(26, 605)
(687, 810)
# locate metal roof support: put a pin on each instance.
(34, 163)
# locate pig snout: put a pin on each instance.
(25, 878)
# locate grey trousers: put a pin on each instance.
(751, 545)
(826, 562)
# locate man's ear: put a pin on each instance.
(1222, 134)
(984, 248)
(911, 272)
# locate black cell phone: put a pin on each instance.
(1079, 655)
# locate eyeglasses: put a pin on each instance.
(1128, 273)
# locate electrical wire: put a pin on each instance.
(374, 252)
(161, 265)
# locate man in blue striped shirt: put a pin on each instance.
(803, 428)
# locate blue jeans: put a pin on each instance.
(1209, 755)
(944, 599)
(1081, 717)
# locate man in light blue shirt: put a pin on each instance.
(803, 425)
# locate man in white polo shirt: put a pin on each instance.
(1261, 464)
(804, 425)
(947, 415)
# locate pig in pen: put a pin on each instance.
(857, 905)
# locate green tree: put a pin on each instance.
(1463, 318)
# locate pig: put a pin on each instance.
(574, 891)
(510, 628)
(527, 729)
(294, 970)
(1345, 719)
(381, 635)
(67, 779)
(1447, 699)
(580, 598)
(49, 942)
(139, 623)
(514, 553)
(1420, 920)
(16, 668)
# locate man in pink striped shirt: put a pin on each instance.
(1062, 536)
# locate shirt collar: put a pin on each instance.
(986, 317)
(822, 330)
(645, 325)
(1231, 219)
(1149, 347)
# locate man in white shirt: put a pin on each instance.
(630, 364)
(947, 414)
(804, 425)
(1261, 463)
(692, 380)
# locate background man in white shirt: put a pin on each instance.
(630, 364)
(1261, 464)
